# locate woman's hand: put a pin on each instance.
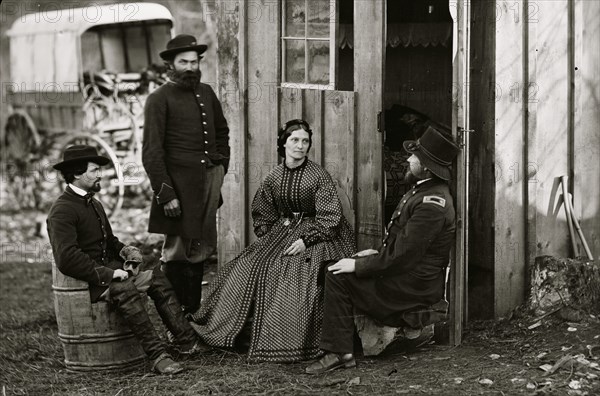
(295, 248)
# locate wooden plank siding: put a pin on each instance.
(369, 58)
(586, 144)
(544, 124)
(232, 92)
(481, 178)
(553, 132)
(534, 95)
(339, 144)
(263, 32)
(509, 226)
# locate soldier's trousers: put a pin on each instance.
(338, 315)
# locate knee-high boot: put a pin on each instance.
(175, 273)
(193, 287)
(169, 309)
(126, 299)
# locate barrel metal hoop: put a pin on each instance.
(114, 365)
(70, 289)
(94, 338)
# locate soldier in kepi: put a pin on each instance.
(407, 274)
(186, 155)
(85, 248)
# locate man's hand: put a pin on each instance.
(295, 248)
(344, 266)
(120, 274)
(172, 208)
(131, 253)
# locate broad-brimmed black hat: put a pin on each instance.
(435, 151)
(182, 43)
(80, 153)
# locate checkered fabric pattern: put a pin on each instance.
(287, 290)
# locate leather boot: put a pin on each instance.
(127, 301)
(169, 310)
(193, 287)
(175, 273)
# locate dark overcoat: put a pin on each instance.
(409, 271)
(83, 244)
(184, 133)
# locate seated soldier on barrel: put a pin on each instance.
(408, 272)
(85, 248)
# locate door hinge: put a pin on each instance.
(461, 135)
(380, 125)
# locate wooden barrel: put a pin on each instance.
(93, 336)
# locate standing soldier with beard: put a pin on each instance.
(186, 155)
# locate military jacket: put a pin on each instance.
(408, 274)
(185, 132)
(83, 244)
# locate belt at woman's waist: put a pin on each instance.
(297, 215)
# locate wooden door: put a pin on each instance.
(461, 12)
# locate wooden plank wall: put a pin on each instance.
(509, 226)
(553, 132)
(481, 157)
(369, 58)
(263, 27)
(547, 125)
(231, 88)
(586, 145)
(331, 115)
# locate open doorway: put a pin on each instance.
(418, 83)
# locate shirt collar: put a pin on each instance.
(78, 190)
(423, 181)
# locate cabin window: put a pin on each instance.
(308, 43)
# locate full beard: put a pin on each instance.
(410, 178)
(188, 78)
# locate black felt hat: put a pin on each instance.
(80, 153)
(182, 43)
(435, 151)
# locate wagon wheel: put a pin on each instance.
(20, 153)
(21, 138)
(113, 188)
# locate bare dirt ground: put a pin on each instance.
(508, 357)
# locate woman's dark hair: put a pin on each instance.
(287, 129)
(78, 168)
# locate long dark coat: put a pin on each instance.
(184, 133)
(409, 271)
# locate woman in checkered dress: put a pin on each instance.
(278, 280)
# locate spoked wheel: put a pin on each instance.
(113, 188)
